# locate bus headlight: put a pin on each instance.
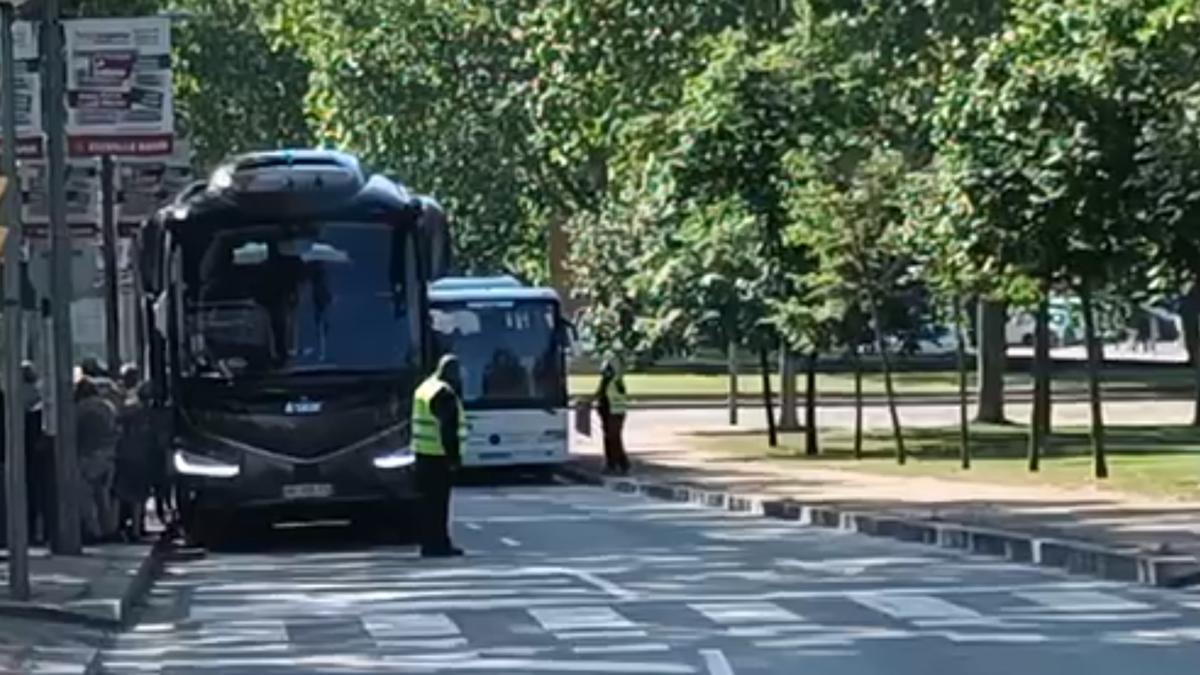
(192, 464)
(395, 459)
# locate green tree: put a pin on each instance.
(1170, 167)
(1043, 130)
(849, 214)
(236, 89)
(428, 91)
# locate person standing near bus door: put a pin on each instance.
(612, 404)
(438, 433)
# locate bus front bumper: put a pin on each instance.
(261, 481)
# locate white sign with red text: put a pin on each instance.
(119, 87)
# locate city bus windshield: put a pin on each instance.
(509, 351)
(287, 298)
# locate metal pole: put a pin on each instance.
(68, 532)
(14, 408)
(112, 321)
(141, 342)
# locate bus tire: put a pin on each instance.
(203, 530)
(200, 528)
(394, 523)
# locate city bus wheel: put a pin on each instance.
(200, 528)
(394, 524)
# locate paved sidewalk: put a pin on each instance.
(76, 601)
(663, 451)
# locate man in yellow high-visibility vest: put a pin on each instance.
(438, 433)
(612, 404)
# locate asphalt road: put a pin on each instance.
(567, 579)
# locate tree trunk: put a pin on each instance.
(889, 389)
(811, 437)
(765, 365)
(558, 253)
(964, 423)
(1039, 420)
(858, 400)
(1095, 357)
(1190, 312)
(990, 354)
(788, 421)
(732, 366)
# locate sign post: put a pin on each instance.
(68, 535)
(119, 104)
(14, 408)
(108, 234)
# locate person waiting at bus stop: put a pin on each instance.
(438, 433)
(611, 404)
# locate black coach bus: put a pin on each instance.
(287, 326)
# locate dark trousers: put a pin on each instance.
(615, 458)
(433, 486)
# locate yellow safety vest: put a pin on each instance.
(426, 432)
(618, 402)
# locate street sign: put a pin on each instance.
(118, 97)
(145, 184)
(27, 82)
(82, 193)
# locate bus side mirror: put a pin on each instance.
(569, 336)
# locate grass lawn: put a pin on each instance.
(1161, 462)
(945, 382)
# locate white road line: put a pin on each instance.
(1083, 601)
(599, 634)
(603, 584)
(623, 649)
(745, 612)
(472, 526)
(509, 541)
(428, 643)
(400, 626)
(715, 661)
(995, 638)
(250, 630)
(907, 607)
(554, 619)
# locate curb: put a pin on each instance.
(56, 660)
(686, 400)
(106, 614)
(1074, 557)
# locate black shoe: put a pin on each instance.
(449, 552)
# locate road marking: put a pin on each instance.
(715, 661)
(599, 634)
(400, 626)
(509, 541)
(253, 630)
(472, 526)
(907, 607)
(426, 663)
(602, 584)
(556, 619)
(838, 637)
(745, 612)
(622, 649)
(1083, 601)
(995, 638)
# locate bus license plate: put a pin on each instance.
(307, 491)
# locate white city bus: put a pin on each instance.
(511, 341)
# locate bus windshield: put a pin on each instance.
(287, 298)
(509, 351)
